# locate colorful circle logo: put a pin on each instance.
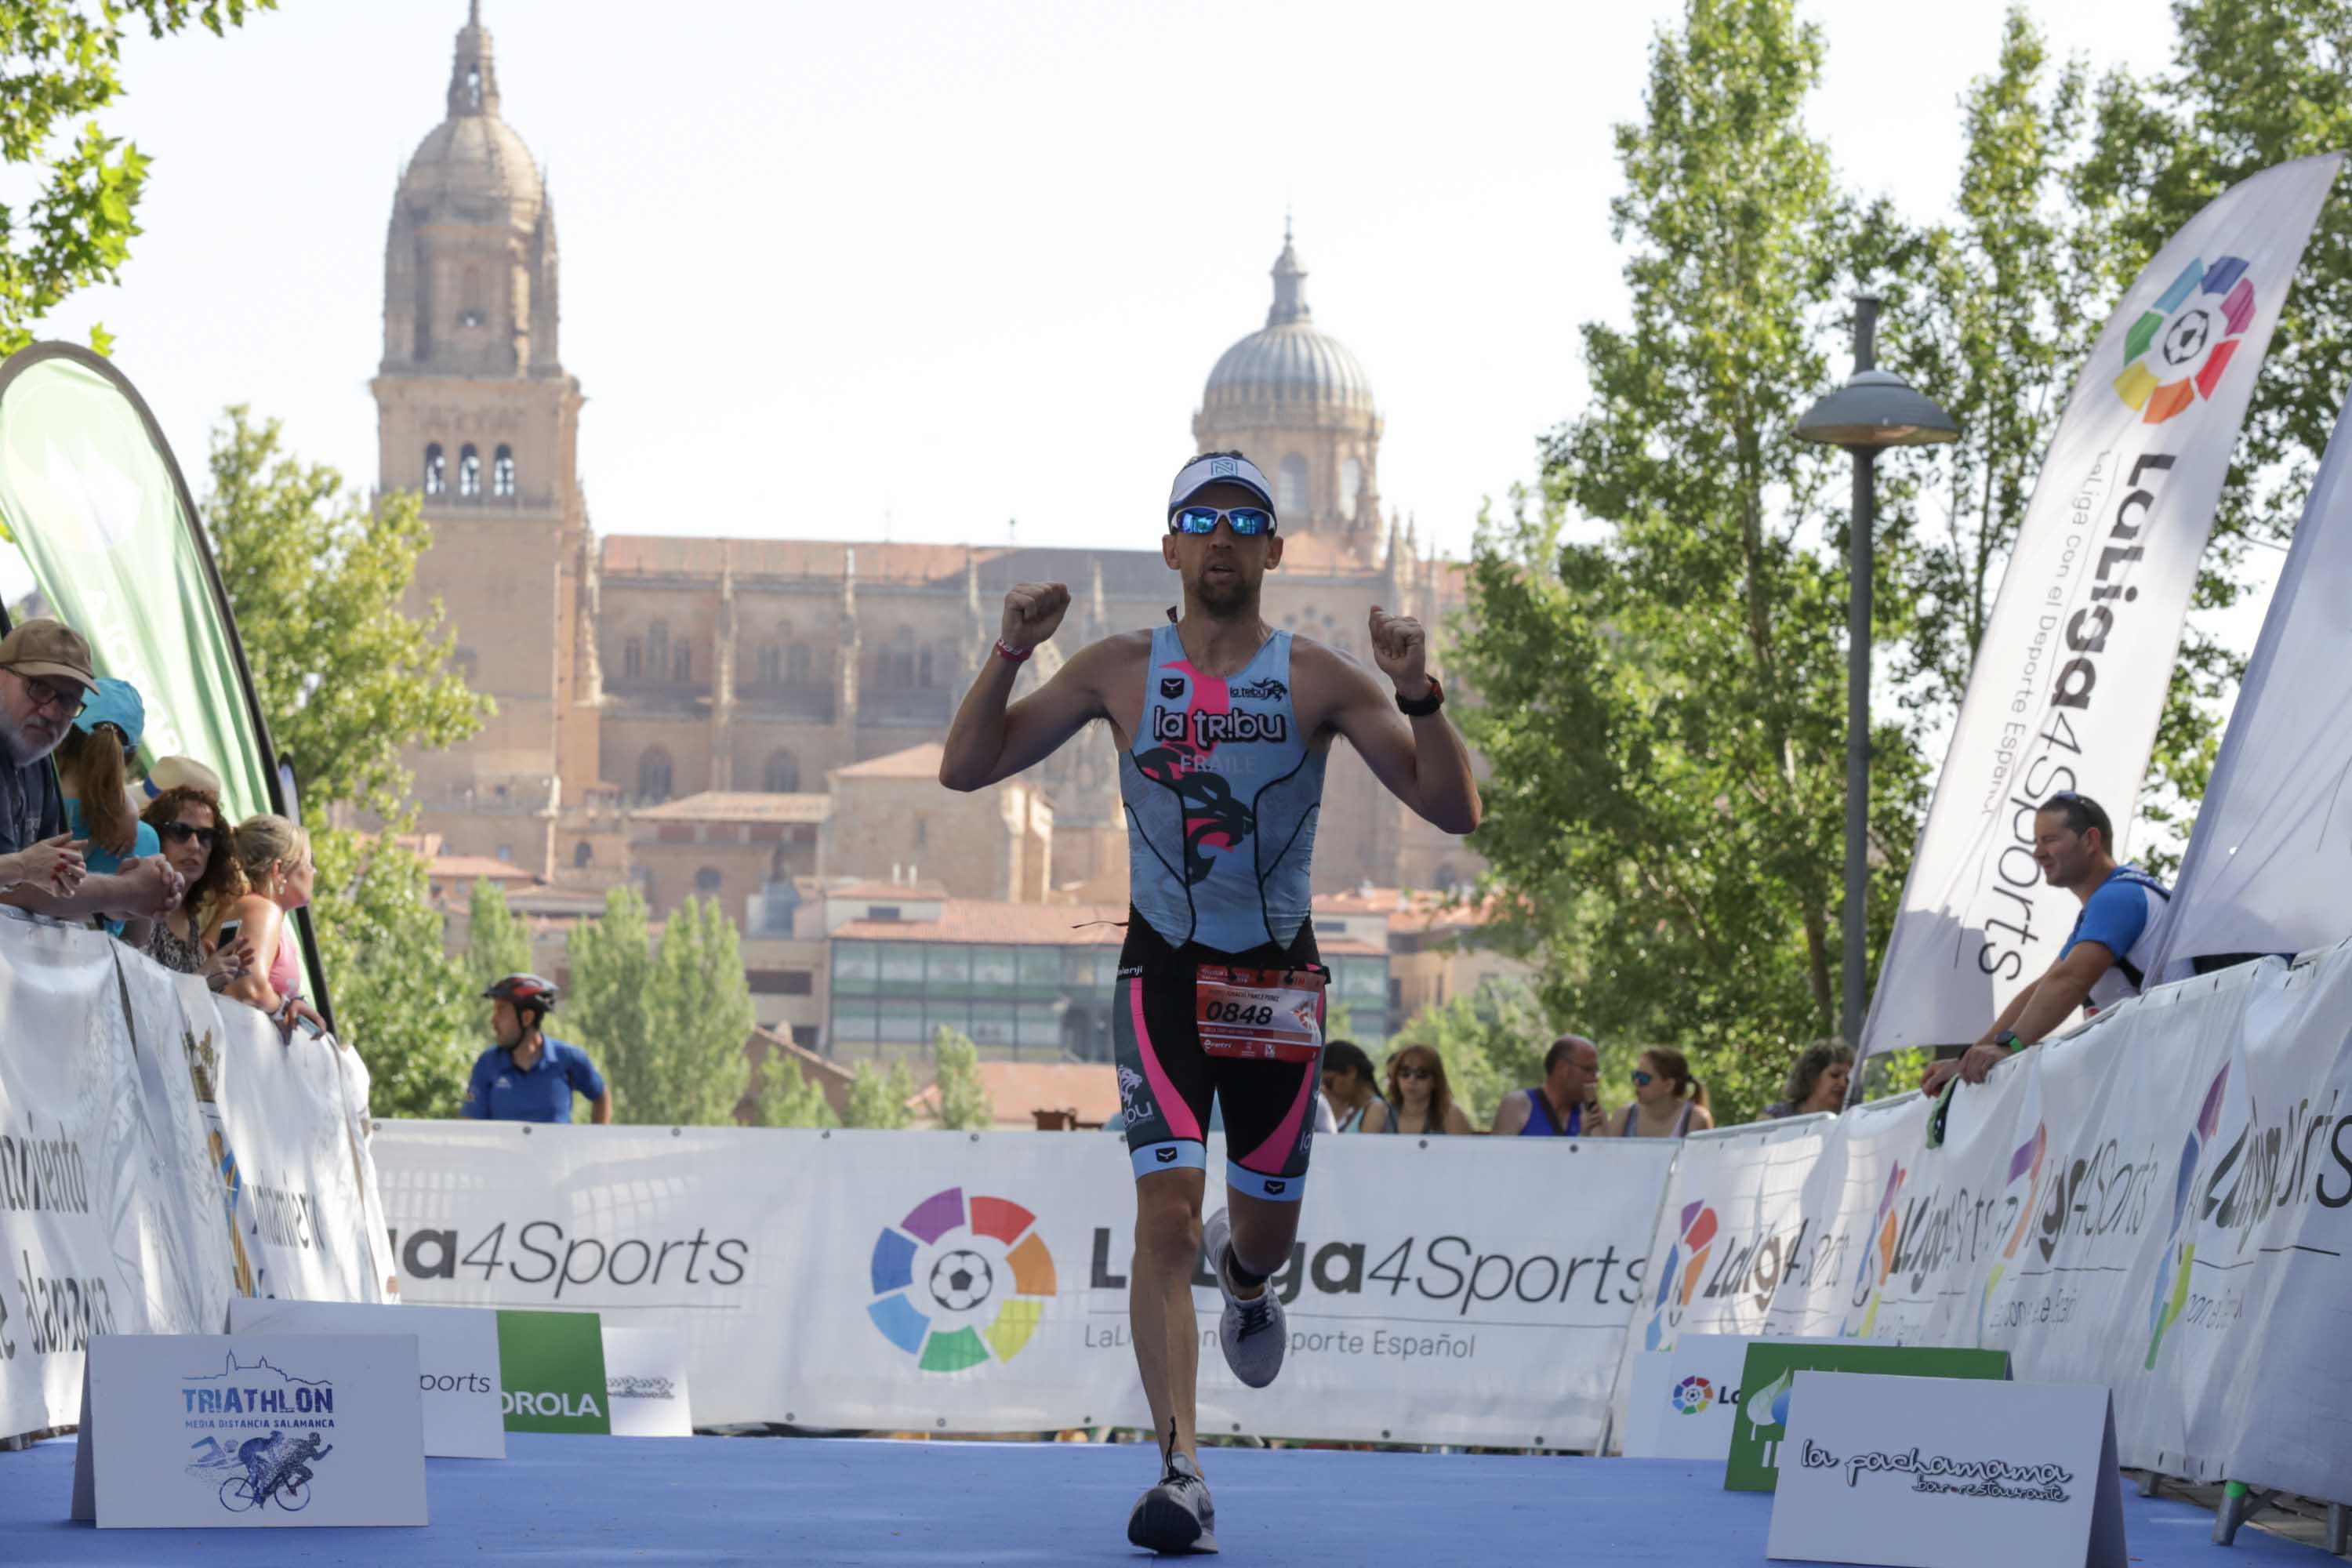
(2176, 353)
(1679, 1278)
(985, 1277)
(1693, 1394)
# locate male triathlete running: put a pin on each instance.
(1223, 725)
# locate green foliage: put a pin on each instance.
(963, 1099)
(666, 1025)
(63, 63)
(317, 578)
(399, 1002)
(497, 943)
(879, 1100)
(788, 1098)
(1661, 697)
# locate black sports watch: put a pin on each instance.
(1423, 707)
(2007, 1039)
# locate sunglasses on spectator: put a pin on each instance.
(1415, 1072)
(47, 694)
(1642, 1079)
(181, 832)
(1248, 521)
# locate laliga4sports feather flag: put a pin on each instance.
(2070, 679)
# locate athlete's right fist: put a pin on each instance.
(1032, 613)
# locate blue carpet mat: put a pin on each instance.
(583, 1502)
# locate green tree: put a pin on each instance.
(497, 943)
(788, 1098)
(700, 1014)
(317, 578)
(879, 1100)
(1663, 696)
(1492, 1041)
(63, 68)
(399, 1001)
(668, 1023)
(609, 1002)
(963, 1099)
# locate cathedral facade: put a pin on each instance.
(633, 670)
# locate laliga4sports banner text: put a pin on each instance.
(2070, 679)
(938, 1281)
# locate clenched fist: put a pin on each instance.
(1032, 613)
(1402, 650)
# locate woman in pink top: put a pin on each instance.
(274, 855)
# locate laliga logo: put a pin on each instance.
(1692, 1395)
(2026, 1162)
(962, 1260)
(1679, 1278)
(2180, 1241)
(2178, 352)
(1869, 1286)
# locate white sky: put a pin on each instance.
(829, 268)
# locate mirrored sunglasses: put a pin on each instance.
(1248, 521)
(1642, 1079)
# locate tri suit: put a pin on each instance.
(1222, 790)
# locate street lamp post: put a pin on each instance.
(1873, 410)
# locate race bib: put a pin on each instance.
(1272, 1015)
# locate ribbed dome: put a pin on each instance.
(471, 167)
(1289, 361)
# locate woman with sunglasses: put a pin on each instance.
(187, 819)
(1668, 1102)
(1420, 1103)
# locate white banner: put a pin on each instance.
(302, 1173)
(2070, 678)
(940, 1281)
(2161, 1203)
(2267, 862)
(1728, 1227)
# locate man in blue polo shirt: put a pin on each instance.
(527, 1077)
(2107, 954)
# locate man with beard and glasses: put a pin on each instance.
(1224, 725)
(45, 677)
(2105, 956)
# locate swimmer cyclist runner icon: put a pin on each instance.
(1224, 726)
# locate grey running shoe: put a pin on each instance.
(1251, 1332)
(1176, 1516)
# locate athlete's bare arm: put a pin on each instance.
(990, 741)
(1421, 760)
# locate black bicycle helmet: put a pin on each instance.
(524, 991)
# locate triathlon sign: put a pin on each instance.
(250, 1431)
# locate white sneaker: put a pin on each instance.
(1176, 1516)
(1252, 1332)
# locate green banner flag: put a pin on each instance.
(91, 494)
(552, 1371)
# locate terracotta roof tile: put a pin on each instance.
(725, 805)
(904, 893)
(915, 762)
(1017, 1088)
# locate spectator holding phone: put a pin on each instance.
(46, 678)
(1420, 1103)
(273, 856)
(187, 819)
(1566, 1104)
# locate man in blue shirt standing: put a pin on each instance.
(2107, 954)
(527, 1077)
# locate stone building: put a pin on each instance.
(634, 672)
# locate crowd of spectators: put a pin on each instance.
(156, 863)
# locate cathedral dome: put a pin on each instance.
(473, 166)
(1289, 361)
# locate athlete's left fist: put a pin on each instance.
(1402, 650)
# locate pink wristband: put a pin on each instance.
(1010, 655)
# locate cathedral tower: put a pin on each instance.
(1296, 402)
(475, 412)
